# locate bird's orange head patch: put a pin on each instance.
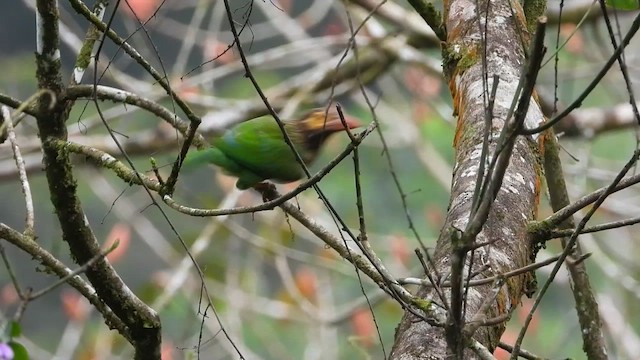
(322, 120)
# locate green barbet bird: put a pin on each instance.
(255, 150)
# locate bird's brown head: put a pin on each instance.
(318, 124)
(322, 121)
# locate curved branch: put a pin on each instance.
(566, 212)
(122, 96)
(83, 10)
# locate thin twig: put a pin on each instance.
(103, 92)
(78, 271)
(12, 274)
(480, 317)
(592, 85)
(50, 262)
(571, 243)
(161, 79)
(436, 286)
(489, 280)
(24, 181)
(373, 268)
(561, 215)
(553, 234)
(521, 352)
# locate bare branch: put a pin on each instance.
(24, 181)
(56, 266)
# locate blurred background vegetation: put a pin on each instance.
(279, 292)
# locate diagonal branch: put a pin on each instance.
(583, 294)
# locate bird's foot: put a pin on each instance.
(267, 190)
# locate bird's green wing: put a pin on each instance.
(258, 147)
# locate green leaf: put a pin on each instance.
(19, 351)
(16, 330)
(624, 4)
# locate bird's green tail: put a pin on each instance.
(197, 158)
(213, 155)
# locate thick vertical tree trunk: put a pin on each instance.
(504, 232)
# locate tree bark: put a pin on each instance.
(504, 231)
(142, 322)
